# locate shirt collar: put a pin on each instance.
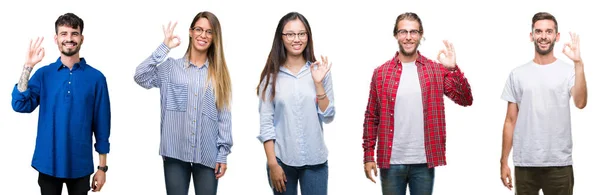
(418, 62)
(81, 64)
(187, 63)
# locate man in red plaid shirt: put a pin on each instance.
(405, 113)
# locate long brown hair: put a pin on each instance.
(278, 54)
(217, 70)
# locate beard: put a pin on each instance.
(407, 53)
(540, 50)
(70, 52)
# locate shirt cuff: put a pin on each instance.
(16, 94)
(222, 155)
(161, 52)
(102, 147)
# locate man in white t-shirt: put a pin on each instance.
(538, 119)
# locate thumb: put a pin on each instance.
(375, 170)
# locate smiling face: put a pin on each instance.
(544, 36)
(201, 35)
(408, 36)
(294, 37)
(68, 39)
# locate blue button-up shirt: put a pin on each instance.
(294, 120)
(193, 129)
(74, 103)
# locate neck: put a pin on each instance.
(544, 59)
(198, 57)
(69, 61)
(295, 61)
(409, 58)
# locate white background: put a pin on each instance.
(491, 38)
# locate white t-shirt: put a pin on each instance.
(542, 135)
(409, 130)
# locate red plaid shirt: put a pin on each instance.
(436, 81)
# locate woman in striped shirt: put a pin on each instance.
(195, 93)
(296, 98)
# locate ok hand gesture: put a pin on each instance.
(573, 52)
(169, 37)
(35, 52)
(449, 59)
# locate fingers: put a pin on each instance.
(282, 181)
(39, 43)
(220, 170)
(439, 56)
(174, 25)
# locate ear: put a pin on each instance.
(531, 36)
(56, 39)
(557, 36)
(191, 32)
(82, 38)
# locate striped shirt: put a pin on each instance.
(192, 128)
(293, 119)
(436, 81)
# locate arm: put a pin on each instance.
(266, 109)
(148, 74)
(507, 132)
(456, 87)
(102, 119)
(326, 108)
(224, 139)
(579, 89)
(26, 94)
(507, 140)
(371, 122)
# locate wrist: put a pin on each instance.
(578, 62)
(28, 66)
(103, 168)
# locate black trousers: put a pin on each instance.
(50, 185)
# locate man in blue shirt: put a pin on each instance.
(74, 105)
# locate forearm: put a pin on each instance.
(457, 87)
(507, 139)
(270, 152)
(24, 80)
(147, 73)
(102, 159)
(580, 87)
(322, 98)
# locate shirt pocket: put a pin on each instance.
(177, 97)
(209, 106)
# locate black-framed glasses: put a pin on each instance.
(403, 32)
(291, 36)
(199, 30)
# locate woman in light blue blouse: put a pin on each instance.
(195, 92)
(296, 98)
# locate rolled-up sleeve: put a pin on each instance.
(224, 139)
(102, 115)
(328, 115)
(266, 109)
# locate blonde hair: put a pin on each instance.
(217, 70)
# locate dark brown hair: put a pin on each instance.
(544, 16)
(278, 54)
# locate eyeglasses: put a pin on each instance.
(199, 31)
(291, 36)
(403, 33)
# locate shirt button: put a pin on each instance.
(392, 114)
(69, 82)
(68, 91)
(195, 94)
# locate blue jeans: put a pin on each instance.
(313, 179)
(418, 177)
(178, 173)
